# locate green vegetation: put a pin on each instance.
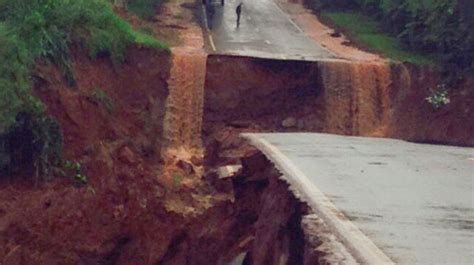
(435, 27)
(74, 169)
(439, 97)
(369, 33)
(145, 9)
(99, 96)
(32, 145)
(33, 29)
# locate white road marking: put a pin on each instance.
(358, 244)
(299, 29)
(211, 41)
(287, 17)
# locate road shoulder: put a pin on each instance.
(337, 43)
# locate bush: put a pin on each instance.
(33, 141)
(439, 97)
(14, 83)
(426, 26)
(32, 29)
(368, 32)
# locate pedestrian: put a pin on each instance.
(238, 11)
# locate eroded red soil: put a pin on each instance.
(149, 199)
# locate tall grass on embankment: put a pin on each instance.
(369, 34)
(33, 29)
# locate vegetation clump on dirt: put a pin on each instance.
(47, 29)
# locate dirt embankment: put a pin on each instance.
(112, 122)
(138, 208)
(110, 102)
(373, 99)
(251, 95)
(125, 215)
(416, 120)
(342, 97)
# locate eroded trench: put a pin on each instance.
(263, 222)
(198, 193)
(263, 95)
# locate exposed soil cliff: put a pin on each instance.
(352, 98)
(154, 197)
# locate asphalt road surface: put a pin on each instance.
(265, 31)
(414, 202)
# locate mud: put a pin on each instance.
(350, 98)
(250, 95)
(109, 102)
(183, 122)
(152, 156)
(416, 120)
(142, 207)
(260, 91)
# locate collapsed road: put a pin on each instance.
(386, 200)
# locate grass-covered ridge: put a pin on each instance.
(33, 29)
(369, 33)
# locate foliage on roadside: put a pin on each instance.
(369, 33)
(47, 29)
(434, 27)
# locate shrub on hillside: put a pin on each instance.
(32, 29)
(427, 26)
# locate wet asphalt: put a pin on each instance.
(265, 31)
(414, 201)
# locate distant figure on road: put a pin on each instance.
(222, 2)
(238, 10)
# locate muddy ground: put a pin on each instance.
(154, 195)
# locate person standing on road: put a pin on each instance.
(238, 11)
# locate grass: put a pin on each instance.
(32, 29)
(46, 29)
(144, 39)
(145, 9)
(369, 34)
(101, 97)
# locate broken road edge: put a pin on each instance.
(353, 241)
